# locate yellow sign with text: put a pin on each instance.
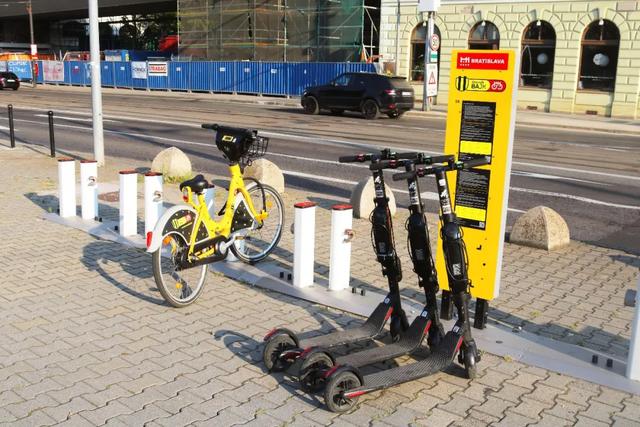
(480, 122)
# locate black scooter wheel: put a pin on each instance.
(312, 371)
(273, 348)
(333, 393)
(470, 364)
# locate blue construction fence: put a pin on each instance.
(268, 78)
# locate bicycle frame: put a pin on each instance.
(201, 228)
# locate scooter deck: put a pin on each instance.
(369, 329)
(440, 358)
(409, 341)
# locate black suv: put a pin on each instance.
(9, 80)
(366, 92)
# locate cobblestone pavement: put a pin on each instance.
(85, 338)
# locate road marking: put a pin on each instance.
(7, 129)
(77, 119)
(561, 168)
(559, 178)
(572, 197)
(426, 195)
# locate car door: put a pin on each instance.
(337, 92)
(354, 93)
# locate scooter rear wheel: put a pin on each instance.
(273, 348)
(311, 371)
(336, 386)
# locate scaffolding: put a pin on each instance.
(278, 30)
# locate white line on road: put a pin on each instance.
(77, 119)
(331, 179)
(572, 197)
(426, 195)
(334, 142)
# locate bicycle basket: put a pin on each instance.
(256, 150)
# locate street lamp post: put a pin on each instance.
(96, 83)
(429, 6)
(34, 77)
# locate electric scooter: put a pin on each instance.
(316, 362)
(344, 384)
(282, 347)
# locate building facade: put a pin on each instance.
(576, 56)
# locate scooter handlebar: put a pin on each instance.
(211, 126)
(404, 176)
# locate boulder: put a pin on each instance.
(540, 227)
(172, 163)
(267, 173)
(362, 199)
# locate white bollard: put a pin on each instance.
(633, 362)
(89, 188)
(153, 200)
(304, 234)
(128, 225)
(340, 253)
(67, 187)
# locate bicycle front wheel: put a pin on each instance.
(258, 243)
(179, 287)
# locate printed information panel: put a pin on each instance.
(480, 122)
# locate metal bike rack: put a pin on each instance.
(128, 224)
(633, 362)
(67, 187)
(340, 252)
(153, 200)
(304, 244)
(89, 188)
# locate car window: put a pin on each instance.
(342, 80)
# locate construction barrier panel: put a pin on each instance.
(22, 69)
(257, 77)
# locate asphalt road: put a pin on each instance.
(590, 178)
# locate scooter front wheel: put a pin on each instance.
(312, 371)
(470, 364)
(273, 348)
(339, 383)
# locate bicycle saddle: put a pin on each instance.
(197, 184)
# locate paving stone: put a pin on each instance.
(438, 417)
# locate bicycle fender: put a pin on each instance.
(179, 220)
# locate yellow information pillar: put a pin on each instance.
(480, 122)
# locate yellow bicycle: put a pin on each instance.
(186, 239)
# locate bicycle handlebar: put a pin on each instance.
(385, 155)
(451, 166)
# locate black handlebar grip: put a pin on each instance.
(348, 159)
(211, 126)
(386, 164)
(478, 161)
(404, 176)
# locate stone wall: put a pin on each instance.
(568, 18)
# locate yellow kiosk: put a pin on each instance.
(480, 122)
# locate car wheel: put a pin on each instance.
(15, 88)
(310, 105)
(370, 109)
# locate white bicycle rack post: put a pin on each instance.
(340, 253)
(304, 234)
(128, 225)
(67, 187)
(89, 189)
(633, 362)
(153, 200)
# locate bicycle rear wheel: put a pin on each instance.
(257, 244)
(179, 288)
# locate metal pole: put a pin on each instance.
(33, 63)
(397, 37)
(12, 133)
(96, 83)
(426, 104)
(52, 138)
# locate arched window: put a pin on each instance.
(599, 59)
(418, 37)
(538, 52)
(484, 35)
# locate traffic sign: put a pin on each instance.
(433, 56)
(432, 79)
(480, 122)
(434, 42)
